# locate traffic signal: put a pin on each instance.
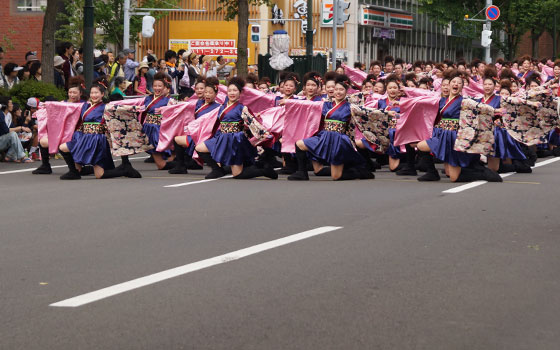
(485, 40)
(255, 33)
(148, 26)
(341, 16)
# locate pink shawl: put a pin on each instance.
(174, 118)
(201, 129)
(416, 92)
(417, 118)
(257, 101)
(129, 102)
(302, 120)
(474, 89)
(356, 76)
(62, 118)
(41, 116)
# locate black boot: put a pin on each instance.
(45, 167)
(421, 165)
(87, 170)
(409, 168)
(522, 167)
(325, 171)
(370, 165)
(191, 163)
(180, 167)
(470, 175)
(290, 164)
(555, 152)
(431, 171)
(301, 173)
(217, 171)
(543, 153)
(168, 165)
(150, 159)
(72, 173)
(127, 168)
(252, 172)
(491, 176)
(268, 159)
(506, 168)
(348, 174)
(363, 173)
(112, 173)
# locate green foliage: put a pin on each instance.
(517, 17)
(31, 88)
(231, 7)
(108, 16)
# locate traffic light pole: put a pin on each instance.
(487, 50)
(334, 22)
(88, 43)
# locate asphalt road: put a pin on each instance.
(410, 268)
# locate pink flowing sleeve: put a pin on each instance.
(41, 116)
(201, 129)
(302, 120)
(257, 101)
(62, 118)
(173, 121)
(416, 121)
(356, 76)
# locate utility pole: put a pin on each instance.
(88, 43)
(126, 27)
(309, 31)
(335, 20)
(488, 26)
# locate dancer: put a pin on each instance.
(89, 144)
(229, 145)
(184, 145)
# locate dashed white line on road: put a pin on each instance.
(182, 270)
(479, 183)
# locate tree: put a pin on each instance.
(48, 44)
(517, 18)
(109, 17)
(240, 9)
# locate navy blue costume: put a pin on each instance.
(334, 147)
(230, 145)
(89, 147)
(152, 122)
(443, 140)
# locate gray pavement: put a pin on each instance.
(411, 268)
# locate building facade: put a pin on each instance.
(398, 28)
(21, 22)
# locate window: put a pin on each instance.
(30, 5)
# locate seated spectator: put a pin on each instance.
(120, 86)
(11, 71)
(9, 141)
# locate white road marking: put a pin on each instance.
(182, 270)
(56, 166)
(198, 182)
(202, 181)
(479, 183)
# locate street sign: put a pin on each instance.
(492, 12)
